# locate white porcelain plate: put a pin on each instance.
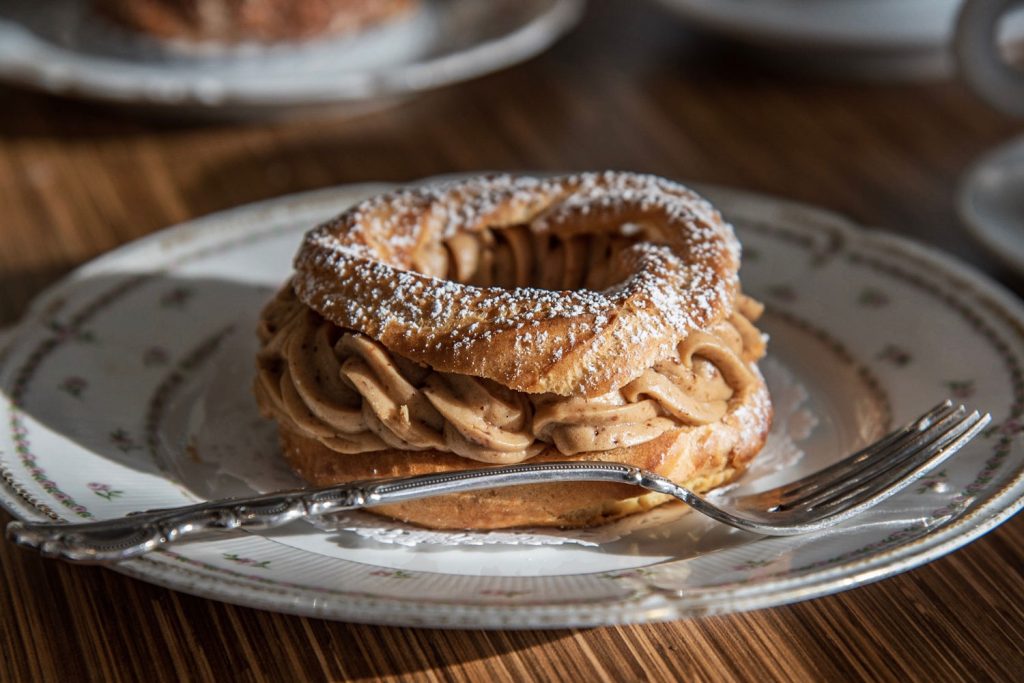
(126, 387)
(868, 38)
(862, 24)
(61, 47)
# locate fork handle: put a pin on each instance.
(119, 539)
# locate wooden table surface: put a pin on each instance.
(630, 89)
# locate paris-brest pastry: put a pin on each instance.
(499, 320)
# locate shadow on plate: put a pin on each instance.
(101, 367)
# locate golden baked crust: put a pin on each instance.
(376, 268)
(700, 458)
(233, 21)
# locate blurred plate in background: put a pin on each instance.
(875, 39)
(61, 47)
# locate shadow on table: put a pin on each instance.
(436, 137)
(30, 114)
(300, 165)
(18, 287)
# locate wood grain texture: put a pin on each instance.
(631, 89)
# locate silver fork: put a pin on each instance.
(814, 502)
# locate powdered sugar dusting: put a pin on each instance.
(370, 269)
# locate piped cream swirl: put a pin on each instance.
(353, 395)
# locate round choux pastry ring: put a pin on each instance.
(508, 318)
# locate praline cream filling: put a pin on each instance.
(351, 394)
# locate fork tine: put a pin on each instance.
(886, 462)
(868, 455)
(881, 462)
(919, 459)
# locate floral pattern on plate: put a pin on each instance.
(864, 359)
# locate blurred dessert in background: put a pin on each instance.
(261, 21)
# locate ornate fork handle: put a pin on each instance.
(120, 539)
